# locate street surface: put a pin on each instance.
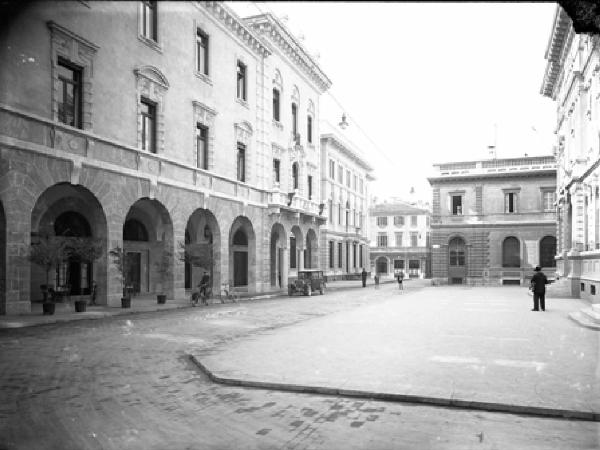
(128, 383)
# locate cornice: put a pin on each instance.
(236, 25)
(269, 27)
(555, 51)
(344, 148)
(485, 176)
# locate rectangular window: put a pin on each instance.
(294, 121)
(382, 240)
(339, 254)
(241, 81)
(293, 252)
(339, 213)
(354, 254)
(398, 264)
(354, 182)
(361, 185)
(149, 20)
(331, 256)
(347, 178)
(414, 239)
(202, 51)
(202, 147)
(340, 174)
(148, 109)
(457, 206)
(309, 186)
(241, 162)
(549, 197)
(332, 169)
(276, 170)
(360, 255)
(382, 221)
(399, 220)
(427, 220)
(309, 129)
(413, 221)
(69, 93)
(276, 105)
(398, 239)
(510, 202)
(413, 264)
(330, 211)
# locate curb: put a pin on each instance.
(535, 411)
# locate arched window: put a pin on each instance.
(240, 238)
(547, 251)
(456, 252)
(295, 175)
(511, 252)
(72, 224)
(134, 230)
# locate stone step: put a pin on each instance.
(584, 320)
(592, 313)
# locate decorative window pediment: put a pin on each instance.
(153, 75)
(311, 108)
(243, 132)
(204, 114)
(151, 85)
(278, 81)
(295, 95)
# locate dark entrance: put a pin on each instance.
(240, 258)
(134, 276)
(72, 275)
(457, 264)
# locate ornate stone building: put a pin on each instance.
(400, 239)
(345, 178)
(493, 220)
(156, 126)
(572, 80)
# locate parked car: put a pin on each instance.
(308, 281)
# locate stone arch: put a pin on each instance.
(547, 250)
(511, 252)
(278, 245)
(151, 262)
(64, 211)
(311, 250)
(203, 249)
(296, 246)
(242, 255)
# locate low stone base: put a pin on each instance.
(15, 308)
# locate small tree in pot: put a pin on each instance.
(163, 269)
(121, 261)
(83, 250)
(47, 254)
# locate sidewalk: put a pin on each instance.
(65, 312)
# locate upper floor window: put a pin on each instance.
(276, 105)
(427, 221)
(276, 170)
(457, 205)
(294, 120)
(548, 200)
(348, 178)
(510, 202)
(399, 220)
(241, 81)
(201, 146)
(148, 111)
(382, 240)
(309, 129)
(382, 221)
(331, 256)
(295, 175)
(202, 51)
(354, 182)
(241, 162)
(414, 239)
(332, 169)
(70, 93)
(149, 20)
(398, 239)
(413, 221)
(309, 186)
(361, 185)
(340, 174)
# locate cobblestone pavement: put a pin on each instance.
(127, 383)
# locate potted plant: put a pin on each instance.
(47, 253)
(119, 257)
(83, 250)
(163, 266)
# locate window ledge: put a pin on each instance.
(311, 145)
(150, 43)
(203, 77)
(277, 124)
(244, 103)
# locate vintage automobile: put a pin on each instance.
(308, 281)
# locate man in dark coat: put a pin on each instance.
(363, 275)
(538, 286)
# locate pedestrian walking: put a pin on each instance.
(376, 278)
(94, 292)
(400, 277)
(363, 276)
(538, 287)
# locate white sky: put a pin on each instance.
(427, 82)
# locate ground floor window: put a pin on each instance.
(331, 257)
(398, 264)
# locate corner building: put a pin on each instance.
(493, 220)
(152, 126)
(572, 80)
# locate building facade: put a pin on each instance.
(345, 178)
(572, 80)
(400, 239)
(155, 127)
(493, 220)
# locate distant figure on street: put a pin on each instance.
(204, 282)
(376, 278)
(400, 277)
(363, 276)
(538, 287)
(94, 292)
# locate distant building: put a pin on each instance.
(345, 178)
(400, 236)
(572, 80)
(493, 220)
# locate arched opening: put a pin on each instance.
(457, 261)
(295, 175)
(242, 256)
(277, 249)
(548, 251)
(148, 244)
(202, 248)
(2, 260)
(72, 214)
(511, 252)
(381, 266)
(311, 252)
(296, 241)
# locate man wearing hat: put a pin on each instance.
(538, 286)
